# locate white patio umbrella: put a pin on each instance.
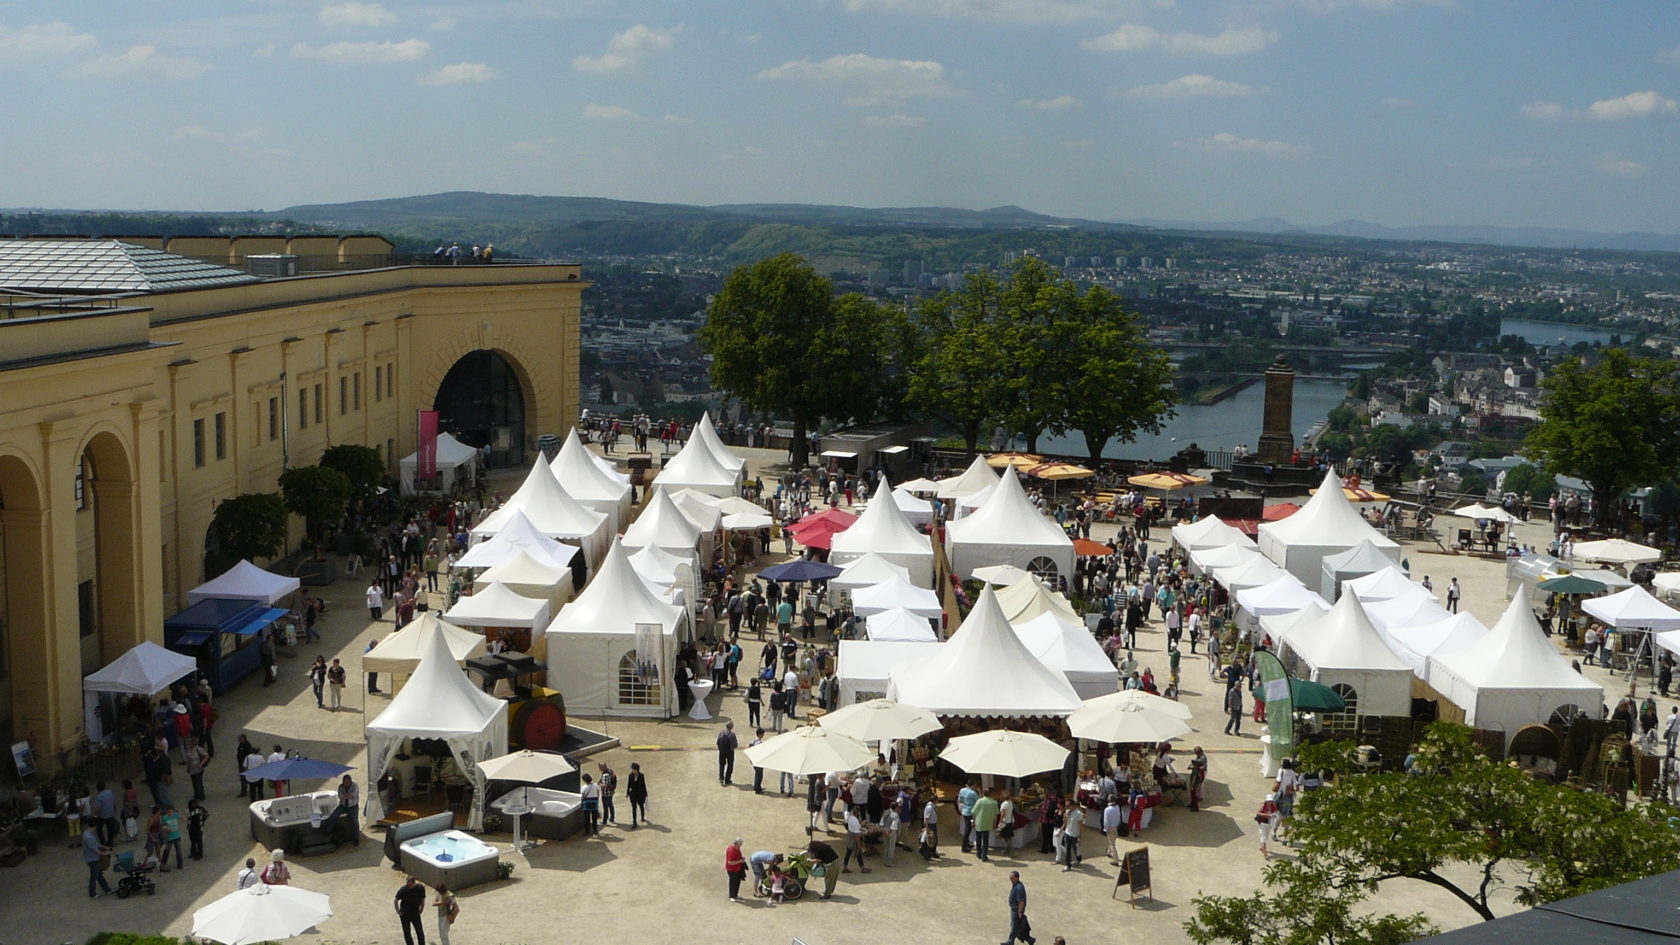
(880, 720)
(527, 767)
(261, 913)
(810, 749)
(1005, 753)
(1001, 574)
(1617, 551)
(1108, 719)
(1492, 513)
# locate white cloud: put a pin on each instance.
(368, 53)
(1003, 11)
(1517, 164)
(144, 61)
(40, 39)
(1079, 144)
(355, 13)
(1136, 38)
(1058, 104)
(1196, 85)
(610, 113)
(678, 120)
(459, 73)
(1395, 101)
(1542, 111)
(532, 147)
(628, 48)
(1645, 104)
(879, 80)
(894, 121)
(194, 131)
(1617, 166)
(1673, 55)
(1228, 143)
(1333, 6)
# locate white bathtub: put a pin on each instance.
(450, 856)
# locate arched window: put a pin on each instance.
(1045, 568)
(1565, 715)
(631, 689)
(1345, 721)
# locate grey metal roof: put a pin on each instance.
(106, 266)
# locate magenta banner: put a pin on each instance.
(426, 462)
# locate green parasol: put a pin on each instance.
(1570, 584)
(1304, 696)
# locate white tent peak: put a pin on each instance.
(663, 524)
(547, 504)
(697, 467)
(616, 595)
(401, 651)
(1387, 583)
(883, 528)
(142, 671)
(865, 570)
(1328, 512)
(526, 570)
(1030, 597)
(438, 701)
(246, 581)
(579, 471)
(707, 434)
(656, 565)
(1008, 513)
(518, 534)
(1514, 655)
(977, 477)
(984, 670)
(1343, 638)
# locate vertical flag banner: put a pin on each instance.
(426, 463)
(1280, 704)
(648, 649)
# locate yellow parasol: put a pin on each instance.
(1055, 472)
(1357, 494)
(1021, 461)
(1166, 481)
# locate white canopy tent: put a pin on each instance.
(144, 670)
(699, 508)
(1513, 677)
(1617, 551)
(401, 652)
(661, 525)
(1275, 625)
(1416, 644)
(983, 670)
(658, 567)
(1387, 584)
(1204, 560)
(1633, 609)
(1281, 596)
(1007, 529)
(1356, 562)
(1029, 597)
(1407, 611)
(439, 702)
(499, 606)
(1209, 531)
(1327, 524)
(1251, 572)
(707, 434)
(1343, 650)
(884, 530)
(869, 568)
(592, 644)
(864, 668)
(518, 535)
(696, 467)
(900, 624)
(917, 510)
(895, 592)
(554, 513)
(978, 477)
(593, 487)
(457, 465)
(528, 577)
(246, 581)
(1067, 647)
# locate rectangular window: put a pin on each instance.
(303, 408)
(81, 482)
(86, 612)
(273, 418)
(356, 391)
(378, 383)
(390, 379)
(198, 442)
(318, 400)
(390, 453)
(343, 395)
(221, 435)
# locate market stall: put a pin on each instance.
(1068, 648)
(696, 466)
(661, 525)
(1008, 529)
(1326, 525)
(223, 635)
(518, 534)
(1356, 562)
(145, 670)
(1416, 643)
(899, 624)
(613, 649)
(1209, 532)
(584, 480)
(884, 530)
(528, 577)
(555, 514)
(517, 622)
(864, 667)
(457, 467)
(983, 670)
(245, 581)
(895, 592)
(1343, 650)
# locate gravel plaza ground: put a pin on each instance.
(665, 882)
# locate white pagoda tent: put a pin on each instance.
(1276, 625)
(706, 432)
(499, 606)
(884, 530)
(915, 508)
(983, 670)
(696, 467)
(456, 465)
(658, 567)
(246, 581)
(701, 509)
(518, 535)
(864, 667)
(592, 644)
(1029, 597)
(1356, 562)
(1513, 677)
(1204, 560)
(895, 592)
(554, 513)
(1209, 531)
(1343, 650)
(528, 577)
(1066, 646)
(1417, 643)
(439, 702)
(899, 624)
(978, 477)
(400, 652)
(1007, 529)
(1326, 525)
(662, 525)
(1387, 584)
(577, 471)
(869, 568)
(1281, 596)
(1246, 573)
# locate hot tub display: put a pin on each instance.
(551, 815)
(450, 856)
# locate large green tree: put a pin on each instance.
(1614, 424)
(317, 493)
(1460, 822)
(1117, 385)
(955, 375)
(359, 464)
(252, 525)
(783, 344)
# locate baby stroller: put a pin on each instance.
(796, 870)
(133, 878)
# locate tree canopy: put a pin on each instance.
(359, 464)
(1614, 424)
(1458, 814)
(781, 342)
(252, 525)
(317, 493)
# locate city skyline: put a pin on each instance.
(1400, 112)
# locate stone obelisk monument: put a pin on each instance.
(1276, 440)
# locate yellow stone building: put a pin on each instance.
(139, 388)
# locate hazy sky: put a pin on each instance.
(1550, 112)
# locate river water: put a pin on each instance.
(1219, 427)
(1551, 333)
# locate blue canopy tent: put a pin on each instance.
(222, 634)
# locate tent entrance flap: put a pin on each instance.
(260, 621)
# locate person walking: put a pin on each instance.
(242, 751)
(94, 854)
(966, 799)
(1267, 817)
(1452, 596)
(1234, 707)
(755, 701)
(985, 815)
(635, 789)
(1073, 824)
(590, 794)
(727, 742)
(735, 867)
(410, 903)
(891, 824)
(1019, 927)
(336, 679)
(608, 781)
(1671, 732)
(854, 843)
(1198, 777)
(197, 815)
(1111, 827)
(447, 909)
(318, 680)
(376, 607)
(778, 705)
(105, 813)
(758, 773)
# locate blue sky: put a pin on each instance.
(1394, 111)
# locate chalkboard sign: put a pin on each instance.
(1134, 873)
